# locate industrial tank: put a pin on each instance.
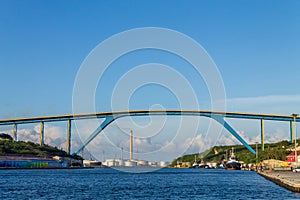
(130, 163)
(142, 163)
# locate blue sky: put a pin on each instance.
(255, 45)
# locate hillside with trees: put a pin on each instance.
(277, 151)
(8, 146)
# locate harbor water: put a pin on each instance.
(106, 183)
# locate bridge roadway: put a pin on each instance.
(111, 116)
(146, 113)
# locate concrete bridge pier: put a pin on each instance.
(41, 133)
(292, 131)
(68, 143)
(14, 130)
(262, 134)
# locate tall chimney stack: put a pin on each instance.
(131, 145)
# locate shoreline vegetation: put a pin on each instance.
(277, 151)
(7, 147)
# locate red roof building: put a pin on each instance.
(291, 157)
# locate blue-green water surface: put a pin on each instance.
(106, 183)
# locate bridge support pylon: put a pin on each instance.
(262, 134)
(292, 131)
(41, 133)
(68, 143)
(14, 130)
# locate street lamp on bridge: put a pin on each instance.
(295, 131)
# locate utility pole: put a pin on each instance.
(122, 153)
(256, 150)
(82, 153)
(296, 159)
(131, 145)
(103, 157)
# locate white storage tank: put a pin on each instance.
(86, 163)
(142, 163)
(112, 163)
(130, 163)
(120, 163)
(153, 164)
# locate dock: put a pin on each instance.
(289, 180)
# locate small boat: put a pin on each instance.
(232, 163)
(195, 164)
(221, 166)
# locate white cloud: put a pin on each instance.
(53, 135)
(266, 99)
(28, 135)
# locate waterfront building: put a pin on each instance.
(291, 157)
(28, 161)
(183, 165)
(68, 162)
(32, 161)
(272, 163)
(91, 163)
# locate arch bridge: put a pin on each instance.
(109, 117)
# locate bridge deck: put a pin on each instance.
(146, 113)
